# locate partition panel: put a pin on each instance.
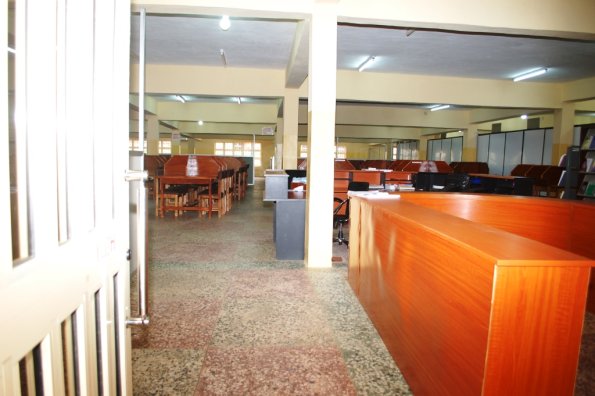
(483, 144)
(512, 151)
(496, 153)
(457, 149)
(533, 147)
(446, 150)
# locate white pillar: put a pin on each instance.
(279, 144)
(291, 104)
(563, 130)
(152, 134)
(470, 144)
(321, 133)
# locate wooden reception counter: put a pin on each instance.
(473, 294)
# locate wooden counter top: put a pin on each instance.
(474, 235)
(464, 305)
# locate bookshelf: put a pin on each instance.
(586, 174)
(570, 175)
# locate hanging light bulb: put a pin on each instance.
(224, 23)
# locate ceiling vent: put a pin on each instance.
(268, 131)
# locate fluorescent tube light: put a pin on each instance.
(239, 100)
(439, 107)
(367, 63)
(225, 23)
(181, 98)
(532, 74)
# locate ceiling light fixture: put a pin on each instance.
(532, 74)
(223, 57)
(367, 63)
(200, 122)
(181, 98)
(225, 23)
(439, 107)
(524, 116)
(239, 100)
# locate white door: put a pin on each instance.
(64, 276)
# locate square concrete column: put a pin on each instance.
(152, 134)
(470, 144)
(321, 132)
(291, 104)
(563, 130)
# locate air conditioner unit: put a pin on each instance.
(269, 131)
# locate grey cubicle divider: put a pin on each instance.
(249, 161)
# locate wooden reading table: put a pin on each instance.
(207, 181)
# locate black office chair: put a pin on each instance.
(341, 218)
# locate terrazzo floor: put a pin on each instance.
(227, 318)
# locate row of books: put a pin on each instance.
(587, 188)
(589, 142)
(589, 164)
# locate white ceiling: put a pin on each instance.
(198, 40)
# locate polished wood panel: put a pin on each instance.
(396, 177)
(569, 225)
(343, 165)
(470, 167)
(466, 308)
(527, 342)
(374, 177)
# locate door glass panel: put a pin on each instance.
(17, 142)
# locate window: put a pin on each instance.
(165, 147)
(303, 151)
(340, 152)
(240, 149)
(219, 149)
(257, 155)
(134, 146)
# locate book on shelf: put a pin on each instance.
(583, 187)
(563, 161)
(590, 190)
(562, 180)
(589, 142)
(589, 164)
